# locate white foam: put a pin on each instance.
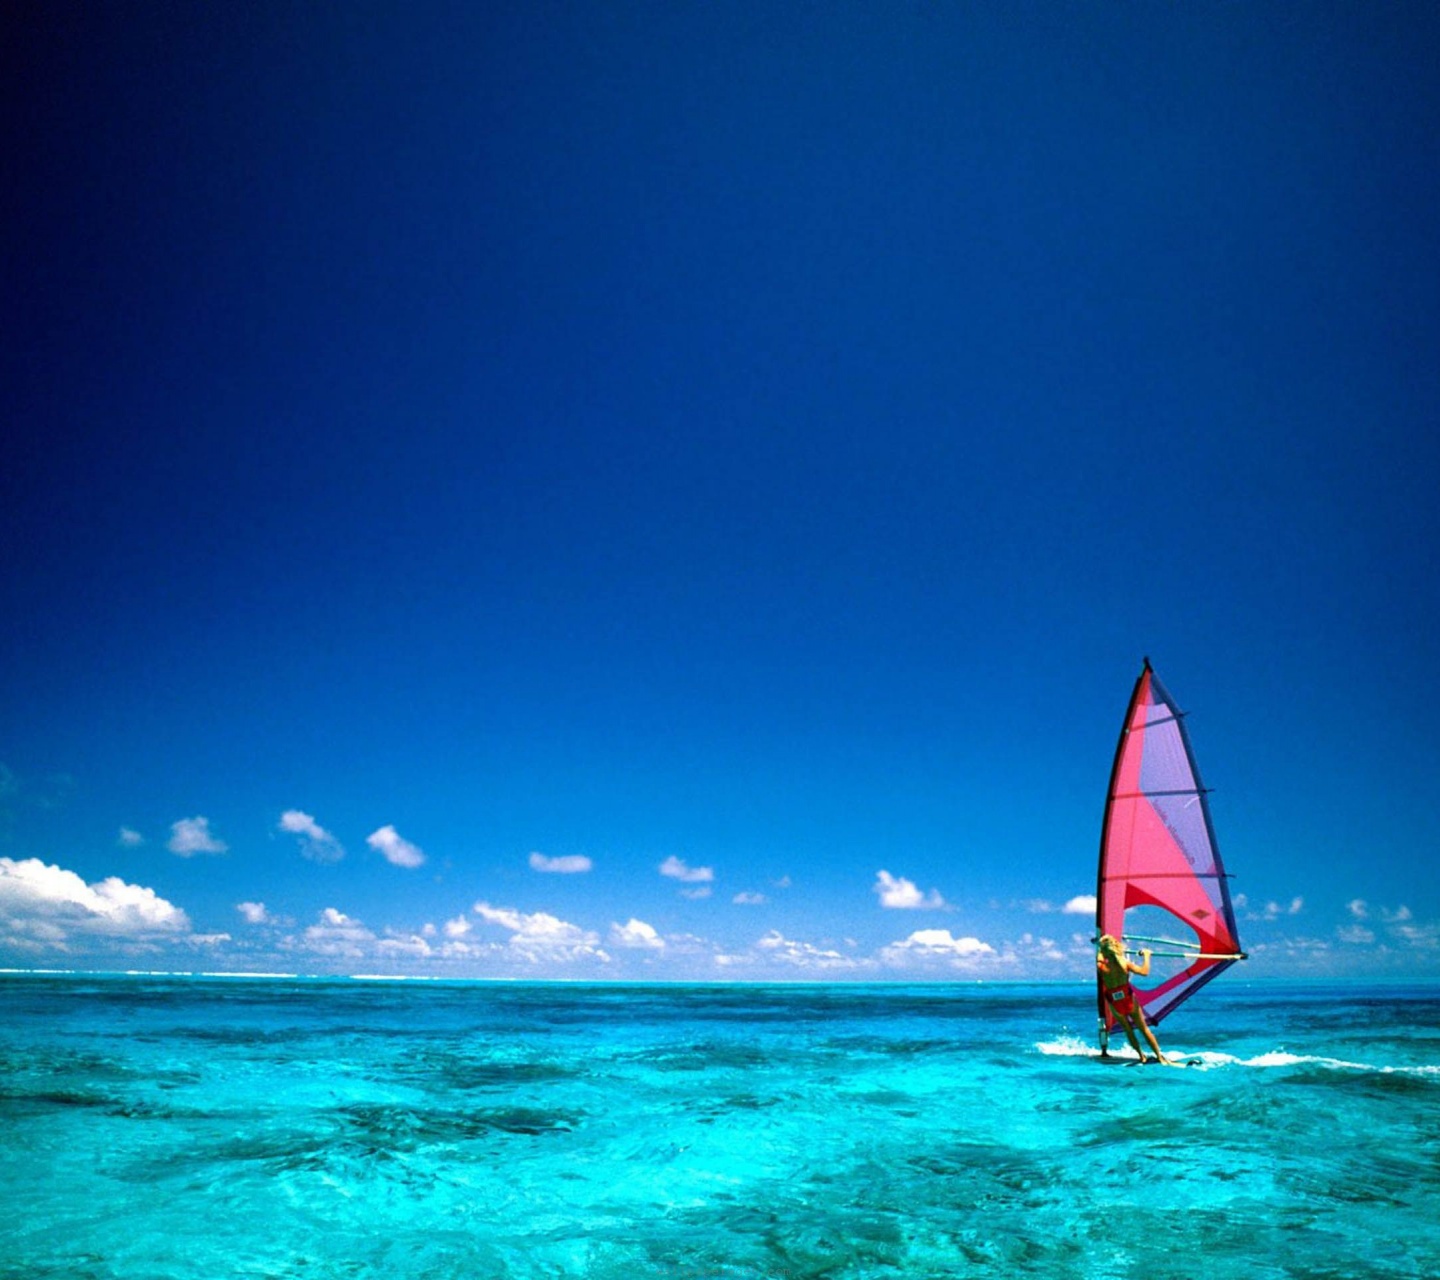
(1074, 1047)
(392, 977)
(1279, 1058)
(1068, 1047)
(245, 974)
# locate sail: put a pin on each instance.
(1158, 860)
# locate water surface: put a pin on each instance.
(191, 1127)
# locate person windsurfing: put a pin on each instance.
(1115, 970)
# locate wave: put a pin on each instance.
(1074, 1047)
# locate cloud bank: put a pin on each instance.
(45, 907)
(540, 937)
(927, 947)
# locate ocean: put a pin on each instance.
(312, 1128)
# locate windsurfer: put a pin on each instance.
(1115, 970)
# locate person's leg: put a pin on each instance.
(1149, 1035)
(1130, 1035)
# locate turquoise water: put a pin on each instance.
(189, 1127)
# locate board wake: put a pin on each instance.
(1074, 1047)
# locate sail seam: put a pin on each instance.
(1150, 795)
(1168, 875)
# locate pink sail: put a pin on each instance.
(1158, 853)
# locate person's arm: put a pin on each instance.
(1143, 968)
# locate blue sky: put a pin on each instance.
(684, 491)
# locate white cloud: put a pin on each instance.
(412, 945)
(1355, 934)
(1399, 924)
(1300, 954)
(190, 836)
(316, 843)
(802, 955)
(44, 906)
(1043, 948)
(1081, 905)
(676, 869)
(257, 913)
(1425, 937)
(396, 849)
(339, 936)
(542, 937)
(1274, 910)
(943, 940)
(129, 838)
(749, 899)
(936, 946)
(932, 953)
(636, 935)
(567, 865)
(695, 895)
(898, 892)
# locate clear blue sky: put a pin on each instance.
(761, 440)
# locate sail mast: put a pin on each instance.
(1101, 1009)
